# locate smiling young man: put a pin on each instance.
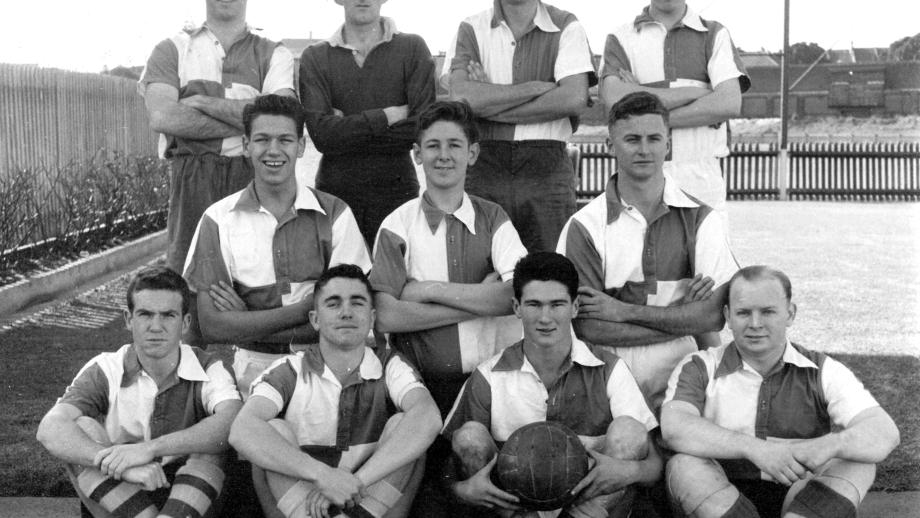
(551, 376)
(640, 249)
(765, 427)
(143, 429)
(362, 90)
(353, 422)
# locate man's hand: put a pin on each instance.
(337, 112)
(607, 476)
(150, 476)
(479, 490)
(225, 298)
(598, 305)
(777, 460)
(114, 460)
(477, 72)
(699, 288)
(196, 101)
(317, 504)
(340, 487)
(814, 453)
(396, 113)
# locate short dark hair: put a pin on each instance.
(159, 278)
(637, 103)
(347, 271)
(458, 112)
(545, 266)
(758, 272)
(273, 104)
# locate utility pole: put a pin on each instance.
(782, 166)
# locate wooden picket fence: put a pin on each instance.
(817, 171)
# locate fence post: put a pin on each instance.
(782, 173)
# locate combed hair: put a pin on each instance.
(273, 104)
(159, 278)
(760, 271)
(637, 103)
(545, 266)
(347, 271)
(458, 112)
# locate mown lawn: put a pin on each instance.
(854, 269)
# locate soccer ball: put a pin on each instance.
(540, 464)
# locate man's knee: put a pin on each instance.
(626, 438)
(94, 430)
(697, 484)
(474, 446)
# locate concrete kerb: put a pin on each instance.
(48, 286)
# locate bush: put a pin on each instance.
(48, 213)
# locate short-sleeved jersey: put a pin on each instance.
(338, 423)
(273, 263)
(615, 250)
(695, 52)
(805, 396)
(195, 63)
(554, 48)
(420, 242)
(114, 389)
(506, 393)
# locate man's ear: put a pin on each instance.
(516, 306)
(575, 307)
(725, 312)
(245, 146)
(314, 321)
(127, 319)
(474, 153)
(792, 311)
(416, 150)
(301, 146)
(186, 323)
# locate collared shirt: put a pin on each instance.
(339, 423)
(695, 52)
(389, 30)
(555, 47)
(272, 263)
(506, 393)
(617, 251)
(115, 389)
(195, 63)
(420, 242)
(802, 397)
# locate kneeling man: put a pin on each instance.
(793, 432)
(143, 429)
(353, 422)
(552, 376)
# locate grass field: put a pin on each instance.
(854, 267)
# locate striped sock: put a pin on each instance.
(122, 499)
(194, 490)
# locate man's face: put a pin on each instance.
(758, 315)
(344, 314)
(640, 144)
(546, 311)
(445, 153)
(273, 148)
(157, 322)
(668, 6)
(226, 10)
(361, 12)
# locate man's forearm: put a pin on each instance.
(228, 111)
(484, 299)
(696, 435)
(65, 440)
(566, 100)
(617, 334)
(266, 448)
(247, 326)
(723, 103)
(183, 121)
(210, 435)
(869, 439)
(486, 99)
(613, 89)
(399, 316)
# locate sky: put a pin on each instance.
(89, 35)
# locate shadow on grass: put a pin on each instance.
(38, 363)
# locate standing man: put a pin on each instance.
(195, 86)
(525, 68)
(551, 376)
(765, 427)
(339, 424)
(692, 65)
(640, 248)
(143, 429)
(362, 89)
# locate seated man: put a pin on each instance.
(641, 249)
(552, 376)
(143, 429)
(443, 262)
(257, 253)
(766, 426)
(354, 422)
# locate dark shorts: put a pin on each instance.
(533, 180)
(372, 185)
(196, 182)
